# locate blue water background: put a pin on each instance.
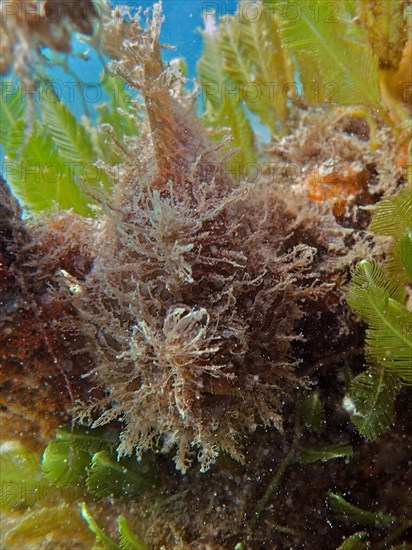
(183, 20)
(78, 84)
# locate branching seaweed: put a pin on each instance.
(379, 296)
(346, 54)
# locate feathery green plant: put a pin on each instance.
(127, 539)
(43, 167)
(310, 416)
(78, 464)
(17, 464)
(31, 507)
(224, 109)
(378, 295)
(88, 458)
(389, 337)
(311, 52)
(392, 218)
(349, 514)
(354, 515)
(120, 103)
(325, 33)
(242, 72)
(254, 58)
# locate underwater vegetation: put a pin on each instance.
(207, 338)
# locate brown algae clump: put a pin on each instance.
(191, 303)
